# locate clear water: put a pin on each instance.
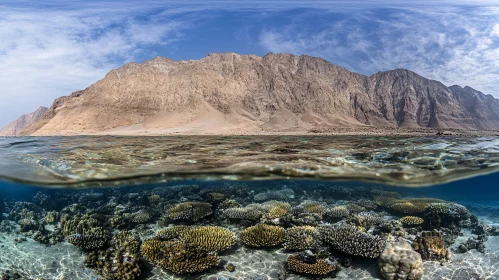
(132, 183)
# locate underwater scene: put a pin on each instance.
(249, 207)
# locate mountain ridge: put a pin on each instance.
(226, 92)
(15, 127)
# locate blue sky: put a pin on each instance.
(52, 48)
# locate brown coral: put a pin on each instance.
(209, 238)
(263, 235)
(348, 239)
(431, 246)
(413, 205)
(171, 232)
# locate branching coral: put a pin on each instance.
(310, 264)
(171, 232)
(94, 239)
(177, 256)
(120, 261)
(366, 219)
(302, 238)
(263, 235)
(78, 225)
(347, 239)
(194, 211)
(445, 214)
(337, 212)
(209, 238)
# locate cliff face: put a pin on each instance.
(275, 92)
(16, 127)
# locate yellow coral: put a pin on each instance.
(190, 211)
(153, 199)
(209, 238)
(413, 205)
(171, 232)
(263, 235)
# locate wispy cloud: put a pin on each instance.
(51, 52)
(455, 45)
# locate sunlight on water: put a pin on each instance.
(403, 161)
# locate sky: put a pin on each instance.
(52, 48)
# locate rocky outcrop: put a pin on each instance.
(278, 92)
(16, 127)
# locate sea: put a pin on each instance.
(249, 207)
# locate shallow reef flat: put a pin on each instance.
(223, 230)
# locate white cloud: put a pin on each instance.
(48, 53)
(455, 46)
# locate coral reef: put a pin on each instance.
(337, 211)
(209, 238)
(348, 239)
(262, 235)
(399, 261)
(431, 246)
(413, 205)
(177, 256)
(95, 238)
(449, 214)
(308, 263)
(302, 238)
(193, 211)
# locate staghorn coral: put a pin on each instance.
(399, 261)
(302, 238)
(411, 220)
(127, 241)
(194, 211)
(347, 239)
(431, 246)
(177, 256)
(262, 235)
(94, 239)
(209, 238)
(307, 263)
(337, 212)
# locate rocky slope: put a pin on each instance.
(14, 128)
(224, 93)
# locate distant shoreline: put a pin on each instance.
(367, 131)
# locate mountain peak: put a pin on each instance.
(229, 92)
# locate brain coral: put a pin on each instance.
(262, 235)
(347, 239)
(400, 261)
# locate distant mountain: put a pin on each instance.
(14, 128)
(227, 93)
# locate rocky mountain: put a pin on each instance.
(225, 93)
(16, 127)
